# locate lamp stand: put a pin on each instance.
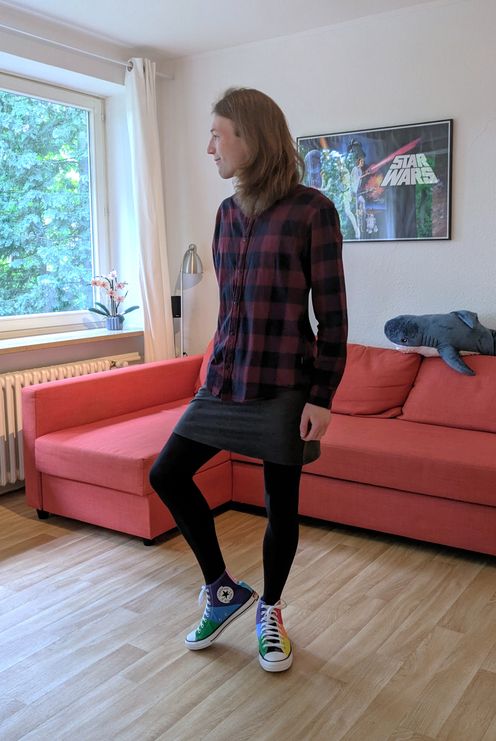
(191, 265)
(181, 320)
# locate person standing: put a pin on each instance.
(270, 381)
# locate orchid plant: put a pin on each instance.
(114, 290)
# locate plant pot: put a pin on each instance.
(115, 322)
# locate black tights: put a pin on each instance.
(171, 477)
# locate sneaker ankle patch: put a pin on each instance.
(225, 595)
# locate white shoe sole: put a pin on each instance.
(276, 666)
(206, 642)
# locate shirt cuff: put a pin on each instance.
(321, 397)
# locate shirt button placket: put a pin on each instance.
(233, 325)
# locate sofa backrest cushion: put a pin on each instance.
(441, 396)
(376, 381)
(57, 405)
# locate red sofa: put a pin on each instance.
(411, 449)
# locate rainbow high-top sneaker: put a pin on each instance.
(274, 647)
(227, 599)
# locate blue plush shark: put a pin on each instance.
(447, 333)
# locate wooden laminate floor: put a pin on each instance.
(393, 639)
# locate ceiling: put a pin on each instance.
(177, 28)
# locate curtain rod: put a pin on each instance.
(60, 44)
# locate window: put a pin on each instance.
(52, 204)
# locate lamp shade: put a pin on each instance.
(192, 265)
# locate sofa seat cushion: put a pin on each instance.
(425, 459)
(116, 453)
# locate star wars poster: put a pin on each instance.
(388, 183)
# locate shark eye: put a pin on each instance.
(404, 340)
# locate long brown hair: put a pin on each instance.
(274, 166)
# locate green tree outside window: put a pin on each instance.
(45, 207)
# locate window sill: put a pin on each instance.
(60, 339)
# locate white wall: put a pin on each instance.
(421, 64)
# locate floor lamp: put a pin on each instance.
(191, 265)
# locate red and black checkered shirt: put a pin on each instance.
(265, 268)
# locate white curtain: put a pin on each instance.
(141, 102)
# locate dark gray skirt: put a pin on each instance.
(264, 428)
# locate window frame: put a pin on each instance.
(64, 321)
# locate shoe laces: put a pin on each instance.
(271, 624)
(204, 593)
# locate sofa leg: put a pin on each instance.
(148, 541)
(42, 515)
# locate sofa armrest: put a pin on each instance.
(56, 405)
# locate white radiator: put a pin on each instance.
(11, 456)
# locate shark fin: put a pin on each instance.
(451, 357)
(469, 318)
